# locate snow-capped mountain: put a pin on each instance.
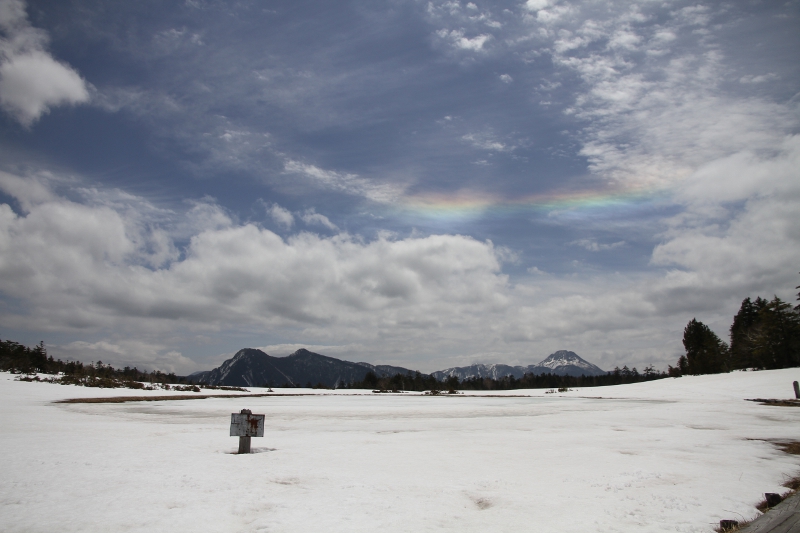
(495, 371)
(562, 363)
(252, 367)
(566, 363)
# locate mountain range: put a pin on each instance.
(251, 367)
(562, 363)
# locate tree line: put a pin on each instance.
(765, 335)
(20, 359)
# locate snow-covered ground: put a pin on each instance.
(672, 455)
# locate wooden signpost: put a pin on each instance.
(245, 425)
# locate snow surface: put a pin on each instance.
(671, 455)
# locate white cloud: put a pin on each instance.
(536, 5)
(457, 39)
(311, 217)
(86, 268)
(754, 246)
(763, 78)
(475, 43)
(663, 122)
(487, 141)
(281, 215)
(594, 246)
(659, 117)
(554, 14)
(506, 78)
(507, 255)
(652, 122)
(346, 182)
(624, 38)
(28, 191)
(656, 115)
(31, 81)
(77, 268)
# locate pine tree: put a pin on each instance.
(743, 331)
(776, 337)
(705, 352)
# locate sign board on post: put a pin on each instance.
(245, 425)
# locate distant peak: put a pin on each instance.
(563, 354)
(566, 358)
(248, 352)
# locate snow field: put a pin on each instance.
(671, 455)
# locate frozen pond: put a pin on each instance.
(672, 455)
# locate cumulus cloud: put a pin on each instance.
(536, 5)
(31, 80)
(311, 217)
(458, 39)
(77, 267)
(281, 215)
(90, 267)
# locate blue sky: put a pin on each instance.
(426, 184)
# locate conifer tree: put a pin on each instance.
(743, 331)
(776, 338)
(705, 352)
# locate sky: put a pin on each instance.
(419, 183)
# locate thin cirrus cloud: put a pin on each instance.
(594, 246)
(345, 182)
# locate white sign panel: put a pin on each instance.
(247, 425)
